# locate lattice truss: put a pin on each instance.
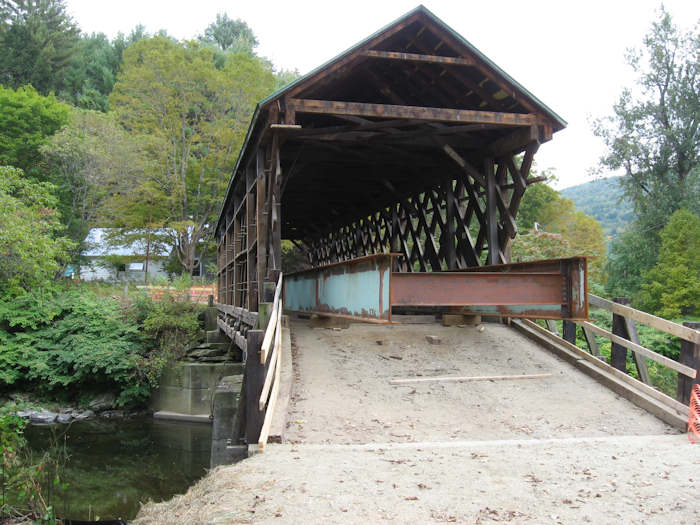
(445, 227)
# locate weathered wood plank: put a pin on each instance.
(669, 327)
(659, 396)
(654, 356)
(332, 107)
(465, 379)
(414, 57)
(690, 356)
(638, 359)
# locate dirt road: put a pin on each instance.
(560, 449)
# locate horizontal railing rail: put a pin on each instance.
(273, 362)
(624, 337)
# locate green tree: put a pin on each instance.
(92, 72)
(27, 120)
(554, 214)
(672, 287)
(229, 34)
(90, 160)
(195, 116)
(37, 44)
(30, 251)
(535, 245)
(629, 255)
(653, 135)
(531, 210)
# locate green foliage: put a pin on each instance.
(170, 327)
(535, 200)
(654, 134)
(27, 120)
(30, 252)
(87, 344)
(672, 287)
(553, 213)
(195, 116)
(603, 200)
(228, 34)
(27, 481)
(535, 245)
(92, 73)
(630, 254)
(37, 45)
(89, 160)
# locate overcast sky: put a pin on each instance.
(569, 54)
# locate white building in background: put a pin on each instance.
(97, 265)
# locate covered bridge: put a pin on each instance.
(413, 143)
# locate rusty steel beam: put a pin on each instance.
(550, 289)
(366, 289)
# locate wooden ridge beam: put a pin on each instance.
(363, 109)
(414, 57)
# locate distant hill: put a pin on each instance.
(602, 199)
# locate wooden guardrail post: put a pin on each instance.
(618, 353)
(254, 380)
(690, 356)
(569, 331)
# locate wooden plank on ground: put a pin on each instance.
(465, 379)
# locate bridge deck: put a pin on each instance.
(562, 449)
(342, 392)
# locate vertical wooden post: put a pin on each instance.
(690, 356)
(251, 238)
(449, 236)
(262, 216)
(618, 353)
(276, 216)
(569, 329)
(491, 216)
(254, 380)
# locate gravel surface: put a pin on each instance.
(560, 449)
(342, 392)
(629, 480)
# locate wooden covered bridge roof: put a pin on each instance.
(410, 105)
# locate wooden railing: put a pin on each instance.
(624, 337)
(271, 358)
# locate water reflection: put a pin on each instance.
(113, 466)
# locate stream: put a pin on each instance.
(114, 466)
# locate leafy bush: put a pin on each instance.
(169, 327)
(75, 340)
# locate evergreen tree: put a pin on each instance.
(672, 287)
(37, 44)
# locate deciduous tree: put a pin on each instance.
(27, 120)
(653, 135)
(195, 116)
(91, 160)
(30, 251)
